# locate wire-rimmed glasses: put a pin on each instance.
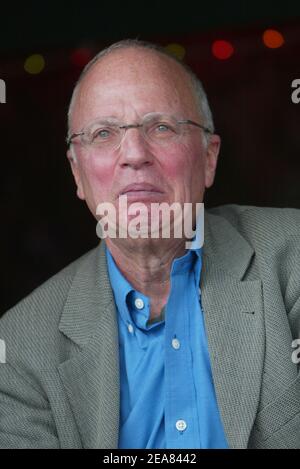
(156, 128)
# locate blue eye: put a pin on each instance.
(103, 134)
(163, 128)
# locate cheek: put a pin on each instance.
(97, 178)
(184, 163)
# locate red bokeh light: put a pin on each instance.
(222, 49)
(80, 57)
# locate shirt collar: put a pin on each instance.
(120, 286)
(125, 295)
(197, 242)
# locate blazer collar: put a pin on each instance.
(89, 297)
(233, 314)
(91, 292)
(91, 375)
(225, 247)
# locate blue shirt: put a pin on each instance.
(167, 392)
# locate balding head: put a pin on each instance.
(133, 55)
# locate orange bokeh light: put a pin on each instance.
(272, 38)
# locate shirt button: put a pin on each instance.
(181, 425)
(175, 345)
(130, 328)
(139, 304)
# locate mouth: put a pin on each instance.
(141, 190)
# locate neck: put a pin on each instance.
(146, 264)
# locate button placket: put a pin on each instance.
(175, 343)
(181, 425)
(139, 303)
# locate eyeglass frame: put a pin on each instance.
(136, 126)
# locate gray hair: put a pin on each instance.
(200, 95)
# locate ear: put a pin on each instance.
(212, 152)
(76, 172)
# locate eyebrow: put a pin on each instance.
(101, 118)
(115, 118)
(105, 120)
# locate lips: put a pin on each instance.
(142, 187)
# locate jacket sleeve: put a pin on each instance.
(25, 416)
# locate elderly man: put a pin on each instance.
(143, 342)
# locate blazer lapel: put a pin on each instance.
(233, 312)
(91, 375)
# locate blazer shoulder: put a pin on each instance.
(35, 318)
(272, 233)
(262, 222)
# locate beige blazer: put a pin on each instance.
(59, 387)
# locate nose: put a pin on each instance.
(134, 150)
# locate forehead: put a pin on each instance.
(134, 81)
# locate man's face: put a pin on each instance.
(127, 85)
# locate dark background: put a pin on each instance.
(44, 226)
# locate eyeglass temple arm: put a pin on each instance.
(70, 138)
(188, 121)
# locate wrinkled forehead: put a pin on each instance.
(134, 79)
